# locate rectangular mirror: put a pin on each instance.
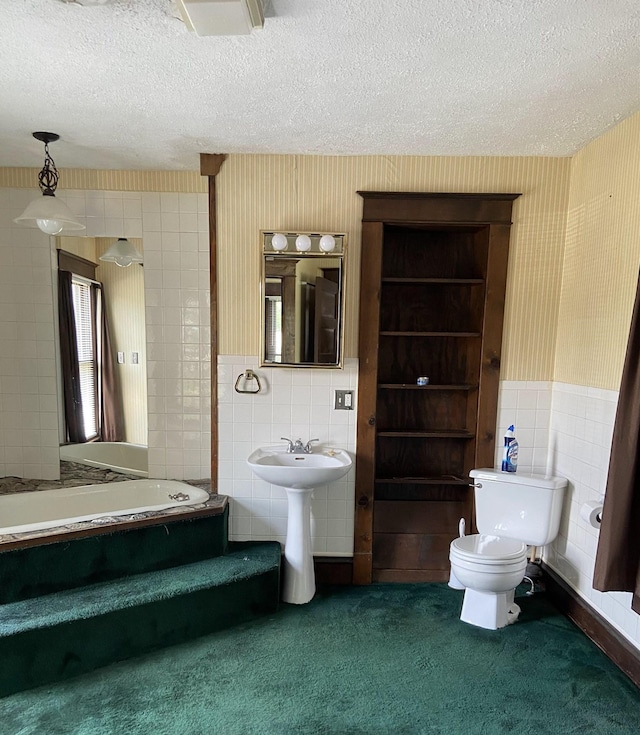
(112, 403)
(302, 299)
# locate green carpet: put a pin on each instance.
(54, 637)
(379, 660)
(135, 590)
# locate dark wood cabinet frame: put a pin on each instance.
(210, 164)
(485, 220)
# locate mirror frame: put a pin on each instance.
(339, 253)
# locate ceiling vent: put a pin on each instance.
(222, 17)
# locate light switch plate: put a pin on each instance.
(344, 400)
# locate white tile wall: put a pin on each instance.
(174, 228)
(176, 243)
(28, 405)
(526, 405)
(566, 430)
(582, 422)
(293, 402)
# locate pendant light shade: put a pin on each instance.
(51, 215)
(122, 253)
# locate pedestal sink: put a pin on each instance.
(299, 474)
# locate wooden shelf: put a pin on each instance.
(435, 281)
(447, 434)
(447, 480)
(431, 303)
(430, 334)
(429, 386)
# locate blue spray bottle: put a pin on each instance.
(510, 453)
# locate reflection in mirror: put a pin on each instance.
(104, 380)
(302, 299)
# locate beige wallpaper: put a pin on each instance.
(124, 293)
(257, 192)
(185, 182)
(601, 261)
(319, 193)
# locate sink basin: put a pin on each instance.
(299, 474)
(299, 471)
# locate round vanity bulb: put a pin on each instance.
(327, 243)
(50, 226)
(279, 241)
(303, 243)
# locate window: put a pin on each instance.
(273, 329)
(87, 348)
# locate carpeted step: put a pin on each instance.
(57, 636)
(60, 563)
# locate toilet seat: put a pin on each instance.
(476, 566)
(486, 549)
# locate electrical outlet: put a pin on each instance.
(120, 358)
(134, 358)
(344, 400)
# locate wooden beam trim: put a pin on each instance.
(438, 209)
(210, 163)
(436, 195)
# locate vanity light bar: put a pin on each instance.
(312, 243)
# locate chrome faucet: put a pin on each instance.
(298, 447)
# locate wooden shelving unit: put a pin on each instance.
(432, 296)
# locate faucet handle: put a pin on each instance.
(307, 446)
(290, 447)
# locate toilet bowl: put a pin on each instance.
(489, 568)
(512, 513)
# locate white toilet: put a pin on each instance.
(513, 510)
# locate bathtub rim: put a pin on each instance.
(216, 505)
(176, 486)
(142, 474)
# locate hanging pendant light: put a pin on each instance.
(122, 253)
(51, 215)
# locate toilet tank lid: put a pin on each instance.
(520, 478)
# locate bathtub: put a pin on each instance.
(130, 459)
(35, 511)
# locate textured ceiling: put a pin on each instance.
(127, 86)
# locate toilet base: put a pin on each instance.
(489, 610)
(454, 582)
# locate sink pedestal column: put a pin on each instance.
(299, 579)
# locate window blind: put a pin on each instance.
(273, 329)
(86, 347)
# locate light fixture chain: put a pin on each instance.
(48, 177)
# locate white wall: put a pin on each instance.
(581, 430)
(28, 393)
(296, 403)
(566, 430)
(174, 229)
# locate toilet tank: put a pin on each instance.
(520, 506)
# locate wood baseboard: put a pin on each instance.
(615, 646)
(333, 569)
(410, 576)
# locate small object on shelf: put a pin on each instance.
(423, 380)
